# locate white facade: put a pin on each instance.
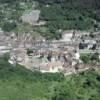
(77, 56)
(67, 37)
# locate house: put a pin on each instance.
(70, 35)
(51, 67)
(67, 35)
(31, 17)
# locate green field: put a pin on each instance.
(18, 83)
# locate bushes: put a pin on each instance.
(22, 83)
(29, 51)
(86, 58)
(69, 14)
(25, 74)
(60, 14)
(78, 87)
(7, 26)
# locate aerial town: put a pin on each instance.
(56, 55)
(49, 49)
(51, 56)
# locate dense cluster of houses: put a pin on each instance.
(61, 55)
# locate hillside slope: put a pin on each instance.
(18, 83)
(58, 15)
(70, 14)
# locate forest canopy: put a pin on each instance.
(58, 14)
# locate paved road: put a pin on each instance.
(89, 51)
